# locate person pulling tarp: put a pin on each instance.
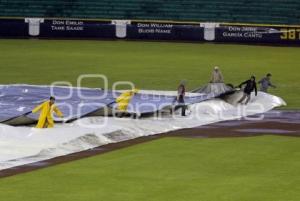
(216, 76)
(250, 86)
(47, 108)
(124, 99)
(180, 97)
(216, 84)
(265, 83)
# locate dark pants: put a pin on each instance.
(181, 105)
(246, 96)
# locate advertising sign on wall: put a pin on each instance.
(133, 30)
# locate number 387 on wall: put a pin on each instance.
(290, 34)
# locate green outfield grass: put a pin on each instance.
(171, 169)
(150, 65)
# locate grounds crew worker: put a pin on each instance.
(47, 108)
(216, 76)
(180, 97)
(265, 83)
(124, 99)
(250, 86)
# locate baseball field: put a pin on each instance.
(257, 168)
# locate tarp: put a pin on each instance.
(149, 103)
(24, 145)
(17, 100)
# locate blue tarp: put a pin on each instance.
(17, 100)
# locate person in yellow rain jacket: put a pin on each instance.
(47, 108)
(124, 99)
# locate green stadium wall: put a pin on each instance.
(245, 11)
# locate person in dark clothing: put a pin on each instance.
(250, 86)
(180, 97)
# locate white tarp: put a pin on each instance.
(23, 145)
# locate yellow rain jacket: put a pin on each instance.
(46, 119)
(124, 99)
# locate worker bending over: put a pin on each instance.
(124, 100)
(47, 108)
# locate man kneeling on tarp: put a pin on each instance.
(47, 108)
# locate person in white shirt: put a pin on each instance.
(216, 76)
